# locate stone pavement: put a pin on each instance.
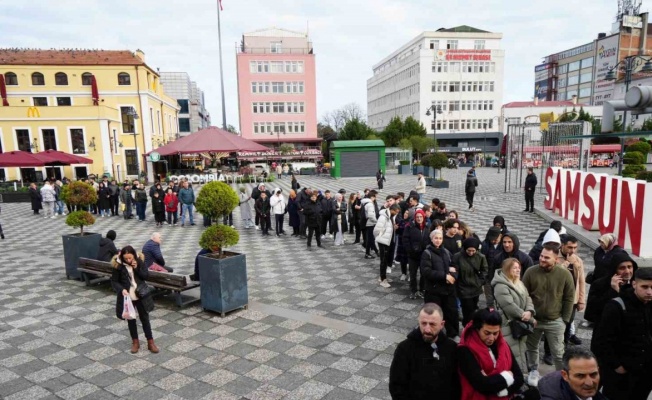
(319, 326)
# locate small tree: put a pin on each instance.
(640, 146)
(438, 161)
(215, 200)
(79, 194)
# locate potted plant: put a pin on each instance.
(222, 274)
(79, 195)
(11, 193)
(417, 167)
(439, 161)
(404, 167)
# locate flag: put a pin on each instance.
(220, 3)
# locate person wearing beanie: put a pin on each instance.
(107, 249)
(472, 270)
(490, 248)
(469, 188)
(538, 244)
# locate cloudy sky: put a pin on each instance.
(348, 36)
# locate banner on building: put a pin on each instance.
(605, 59)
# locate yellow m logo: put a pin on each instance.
(33, 112)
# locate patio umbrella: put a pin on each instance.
(3, 91)
(210, 140)
(20, 159)
(54, 157)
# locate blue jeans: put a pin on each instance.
(186, 209)
(140, 210)
(58, 207)
(421, 198)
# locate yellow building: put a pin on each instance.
(52, 106)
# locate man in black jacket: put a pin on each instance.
(327, 213)
(303, 198)
(578, 380)
(530, 188)
(107, 247)
(490, 248)
(511, 249)
(622, 341)
(425, 364)
(619, 279)
(313, 215)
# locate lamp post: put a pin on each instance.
(629, 64)
(435, 110)
(278, 137)
(132, 112)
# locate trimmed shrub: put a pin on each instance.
(217, 237)
(640, 146)
(216, 199)
(80, 219)
(634, 157)
(644, 176)
(78, 194)
(632, 170)
(404, 162)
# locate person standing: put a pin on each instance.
(171, 202)
(279, 171)
(425, 364)
(126, 199)
(615, 160)
(511, 249)
(618, 278)
(295, 184)
(141, 202)
(578, 380)
(58, 206)
(570, 260)
(278, 208)
(303, 198)
(263, 209)
(452, 240)
(603, 255)
(415, 241)
(312, 213)
(2, 234)
(338, 220)
(469, 187)
(104, 200)
(383, 233)
(380, 178)
(327, 215)
(48, 197)
(158, 208)
(369, 208)
(187, 200)
(420, 188)
(114, 191)
(472, 270)
(529, 188)
(552, 290)
(490, 247)
(129, 273)
(245, 208)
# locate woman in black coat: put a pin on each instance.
(129, 274)
(603, 256)
(293, 212)
(35, 197)
(295, 184)
(104, 200)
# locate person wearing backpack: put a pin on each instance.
(469, 187)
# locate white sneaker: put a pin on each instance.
(53, 217)
(257, 227)
(385, 284)
(323, 236)
(533, 378)
(330, 236)
(389, 270)
(403, 277)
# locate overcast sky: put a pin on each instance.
(348, 36)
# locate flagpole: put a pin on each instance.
(219, 35)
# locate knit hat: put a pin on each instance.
(111, 235)
(552, 237)
(493, 233)
(471, 242)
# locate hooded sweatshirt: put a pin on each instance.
(277, 203)
(107, 250)
(498, 219)
(524, 259)
(601, 291)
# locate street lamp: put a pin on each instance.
(278, 137)
(132, 112)
(435, 110)
(629, 64)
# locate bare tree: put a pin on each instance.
(336, 119)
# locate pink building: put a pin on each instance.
(277, 89)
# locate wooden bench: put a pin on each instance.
(94, 271)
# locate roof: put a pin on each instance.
(18, 56)
(344, 144)
(209, 140)
(276, 32)
(462, 28)
(522, 104)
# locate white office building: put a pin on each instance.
(193, 115)
(460, 71)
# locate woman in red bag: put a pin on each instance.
(129, 273)
(487, 367)
(171, 205)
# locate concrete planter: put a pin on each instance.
(404, 169)
(223, 282)
(76, 246)
(439, 184)
(14, 197)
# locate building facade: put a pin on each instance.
(277, 91)
(52, 105)
(457, 70)
(192, 110)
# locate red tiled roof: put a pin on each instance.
(519, 104)
(68, 57)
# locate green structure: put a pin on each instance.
(356, 158)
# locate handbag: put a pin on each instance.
(144, 293)
(520, 328)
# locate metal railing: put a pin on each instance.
(274, 51)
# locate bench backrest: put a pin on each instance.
(96, 265)
(163, 278)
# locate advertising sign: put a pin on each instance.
(541, 81)
(463, 55)
(606, 58)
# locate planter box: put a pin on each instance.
(76, 246)
(223, 283)
(439, 184)
(417, 168)
(404, 169)
(15, 197)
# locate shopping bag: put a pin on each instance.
(128, 310)
(123, 207)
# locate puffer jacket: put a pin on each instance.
(370, 212)
(512, 300)
(277, 203)
(471, 274)
(435, 264)
(48, 194)
(384, 229)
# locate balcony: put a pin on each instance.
(274, 51)
(51, 113)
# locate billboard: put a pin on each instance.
(605, 59)
(541, 81)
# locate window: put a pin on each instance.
(276, 67)
(440, 67)
(585, 92)
(40, 101)
(563, 69)
(38, 79)
(77, 141)
(478, 45)
(279, 127)
(184, 106)
(451, 44)
(124, 79)
(87, 79)
(184, 124)
(587, 62)
(128, 123)
(561, 83)
(11, 79)
(64, 101)
(574, 66)
(573, 80)
(49, 139)
(151, 119)
(586, 77)
(254, 86)
(454, 105)
(278, 87)
(131, 161)
(454, 87)
(276, 47)
(60, 79)
(434, 45)
(22, 139)
(278, 107)
(570, 94)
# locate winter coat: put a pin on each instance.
(107, 250)
(313, 214)
(471, 273)
(470, 184)
(114, 189)
(302, 198)
(277, 203)
(171, 202)
(245, 208)
(530, 182)
(104, 198)
(295, 186)
(453, 244)
(435, 264)
(125, 197)
(415, 240)
(523, 259)
(186, 196)
(120, 280)
(327, 207)
(157, 205)
(380, 178)
(35, 197)
(416, 375)
(401, 253)
(624, 337)
(340, 211)
(384, 228)
(293, 212)
(575, 265)
(141, 196)
(601, 291)
(512, 300)
(263, 207)
(602, 261)
(421, 186)
(552, 386)
(47, 194)
(152, 253)
(369, 212)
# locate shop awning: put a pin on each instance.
(209, 140)
(20, 159)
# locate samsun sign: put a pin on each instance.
(610, 204)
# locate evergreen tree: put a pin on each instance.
(393, 132)
(412, 127)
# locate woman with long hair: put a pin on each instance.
(293, 212)
(129, 275)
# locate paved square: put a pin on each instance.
(318, 327)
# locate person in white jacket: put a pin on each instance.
(49, 198)
(277, 203)
(420, 188)
(384, 234)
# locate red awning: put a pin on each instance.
(94, 93)
(3, 91)
(551, 149)
(605, 148)
(53, 157)
(20, 159)
(209, 140)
